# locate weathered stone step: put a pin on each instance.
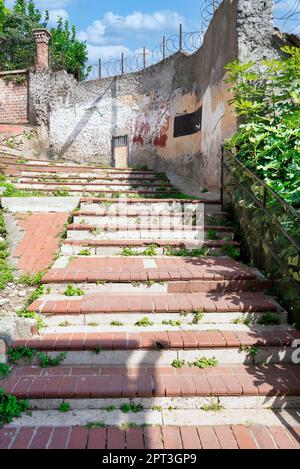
(157, 303)
(145, 438)
(114, 382)
(122, 269)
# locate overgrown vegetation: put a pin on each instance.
(266, 100)
(21, 352)
(18, 42)
(11, 407)
(149, 251)
(72, 291)
(6, 272)
(5, 370)
(201, 252)
(46, 361)
(270, 319)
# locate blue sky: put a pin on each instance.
(114, 26)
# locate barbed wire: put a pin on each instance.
(191, 42)
(287, 18)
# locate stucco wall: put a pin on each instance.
(81, 118)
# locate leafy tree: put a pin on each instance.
(67, 52)
(267, 103)
(18, 43)
(3, 13)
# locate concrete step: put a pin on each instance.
(113, 382)
(94, 186)
(157, 303)
(151, 205)
(88, 190)
(52, 166)
(154, 286)
(71, 432)
(150, 220)
(133, 232)
(90, 322)
(115, 247)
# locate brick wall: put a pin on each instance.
(13, 99)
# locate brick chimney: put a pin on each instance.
(42, 39)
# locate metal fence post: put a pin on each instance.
(180, 37)
(164, 48)
(122, 63)
(100, 69)
(262, 229)
(144, 57)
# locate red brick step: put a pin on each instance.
(115, 382)
(157, 303)
(167, 340)
(167, 437)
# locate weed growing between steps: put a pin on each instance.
(11, 407)
(150, 251)
(31, 280)
(21, 352)
(269, 319)
(72, 291)
(98, 349)
(213, 406)
(131, 408)
(5, 370)
(250, 350)
(202, 252)
(6, 272)
(202, 363)
(64, 407)
(231, 251)
(245, 321)
(46, 361)
(110, 408)
(145, 322)
(85, 252)
(172, 323)
(116, 323)
(91, 425)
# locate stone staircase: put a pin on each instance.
(162, 350)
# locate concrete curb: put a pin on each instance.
(40, 204)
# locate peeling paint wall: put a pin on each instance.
(82, 118)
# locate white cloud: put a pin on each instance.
(106, 52)
(112, 27)
(55, 14)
